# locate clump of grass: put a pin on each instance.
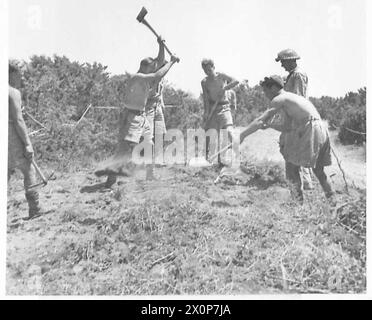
(69, 215)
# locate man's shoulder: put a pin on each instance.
(14, 93)
(298, 73)
(286, 95)
(279, 98)
(138, 77)
(223, 76)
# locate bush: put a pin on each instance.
(347, 113)
(355, 120)
(56, 91)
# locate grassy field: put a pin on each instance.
(185, 235)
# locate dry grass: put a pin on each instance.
(196, 238)
(183, 235)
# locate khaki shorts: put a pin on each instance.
(220, 120)
(133, 125)
(16, 149)
(307, 145)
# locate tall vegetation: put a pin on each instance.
(57, 91)
(347, 113)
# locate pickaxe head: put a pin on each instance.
(142, 14)
(44, 182)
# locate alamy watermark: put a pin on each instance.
(217, 145)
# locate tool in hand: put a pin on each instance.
(141, 19)
(211, 112)
(41, 175)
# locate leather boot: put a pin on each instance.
(111, 180)
(34, 208)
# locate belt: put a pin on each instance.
(220, 103)
(136, 112)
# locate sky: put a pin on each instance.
(243, 37)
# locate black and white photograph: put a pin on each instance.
(171, 148)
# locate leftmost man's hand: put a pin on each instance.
(161, 41)
(175, 59)
(29, 152)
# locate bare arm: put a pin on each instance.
(276, 108)
(158, 75)
(205, 100)
(161, 54)
(280, 123)
(276, 126)
(231, 82)
(258, 123)
(268, 114)
(15, 113)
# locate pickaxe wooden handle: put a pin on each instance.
(248, 131)
(212, 112)
(220, 151)
(45, 181)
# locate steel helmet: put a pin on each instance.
(287, 54)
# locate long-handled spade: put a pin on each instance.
(41, 175)
(202, 162)
(196, 162)
(44, 180)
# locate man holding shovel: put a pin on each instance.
(217, 111)
(133, 123)
(20, 150)
(307, 139)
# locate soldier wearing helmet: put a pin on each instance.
(296, 82)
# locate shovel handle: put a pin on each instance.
(222, 150)
(212, 111)
(45, 181)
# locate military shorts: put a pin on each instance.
(16, 149)
(133, 125)
(220, 120)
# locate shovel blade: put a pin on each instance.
(199, 162)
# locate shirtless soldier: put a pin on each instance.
(308, 143)
(20, 150)
(133, 122)
(215, 86)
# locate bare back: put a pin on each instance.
(296, 107)
(137, 93)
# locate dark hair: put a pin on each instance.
(145, 62)
(268, 82)
(206, 62)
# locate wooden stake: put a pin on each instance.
(342, 170)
